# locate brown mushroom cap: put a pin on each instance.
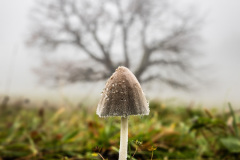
(122, 96)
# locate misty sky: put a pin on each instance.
(221, 48)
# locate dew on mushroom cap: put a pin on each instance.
(123, 87)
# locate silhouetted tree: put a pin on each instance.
(151, 37)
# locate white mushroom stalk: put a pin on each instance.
(122, 96)
(123, 139)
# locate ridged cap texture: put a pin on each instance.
(122, 96)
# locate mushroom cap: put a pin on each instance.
(122, 96)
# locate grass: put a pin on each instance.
(169, 132)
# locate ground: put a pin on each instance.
(169, 132)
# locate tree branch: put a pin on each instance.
(84, 48)
(69, 72)
(107, 58)
(92, 27)
(144, 63)
(180, 63)
(124, 29)
(171, 82)
(112, 37)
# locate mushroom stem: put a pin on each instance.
(123, 139)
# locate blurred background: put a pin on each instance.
(56, 55)
(192, 49)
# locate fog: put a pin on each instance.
(221, 49)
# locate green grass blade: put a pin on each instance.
(234, 120)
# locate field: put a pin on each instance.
(169, 132)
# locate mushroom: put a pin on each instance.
(122, 96)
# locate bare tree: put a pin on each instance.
(151, 37)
